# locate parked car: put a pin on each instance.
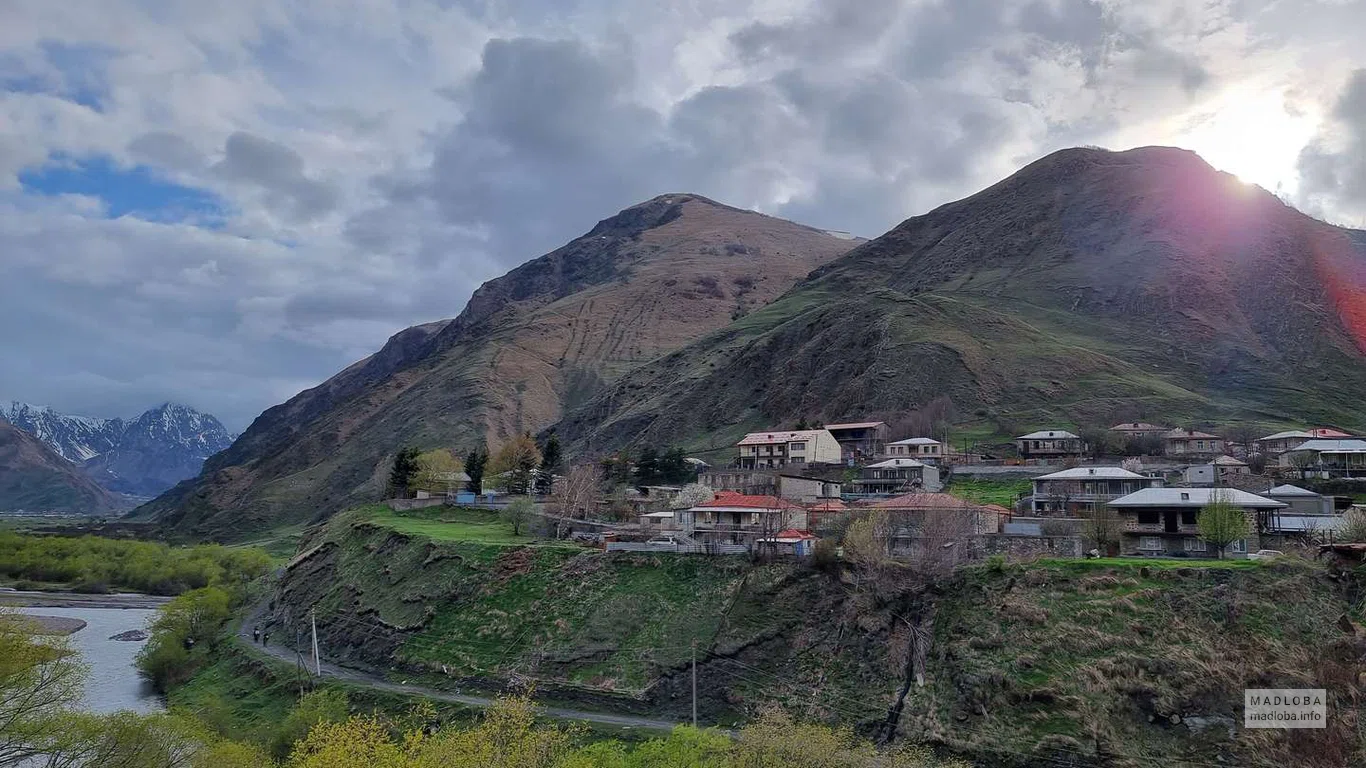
(663, 541)
(1265, 554)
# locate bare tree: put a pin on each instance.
(1103, 527)
(945, 538)
(929, 420)
(1243, 433)
(1302, 462)
(576, 493)
(1096, 441)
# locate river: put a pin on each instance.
(113, 684)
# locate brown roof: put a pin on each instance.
(857, 425)
(1186, 434)
(921, 500)
(726, 499)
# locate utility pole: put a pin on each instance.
(317, 663)
(694, 683)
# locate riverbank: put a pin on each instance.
(59, 626)
(126, 600)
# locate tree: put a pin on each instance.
(1256, 463)
(674, 467)
(692, 495)
(647, 467)
(404, 470)
(1096, 441)
(550, 465)
(867, 540)
(518, 514)
(1221, 522)
(1103, 527)
(516, 461)
(474, 467)
(577, 493)
(1243, 434)
(1302, 462)
(436, 471)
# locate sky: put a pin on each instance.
(222, 204)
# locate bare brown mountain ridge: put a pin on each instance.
(34, 478)
(545, 337)
(1089, 284)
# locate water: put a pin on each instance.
(113, 683)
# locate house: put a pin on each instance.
(789, 542)
(926, 449)
(1328, 457)
(860, 440)
(1275, 445)
(820, 514)
(1162, 521)
(735, 518)
(1301, 501)
(915, 510)
(771, 450)
(893, 476)
(1227, 465)
(1138, 429)
(1188, 442)
(770, 482)
(807, 490)
(651, 522)
(1051, 443)
(1077, 491)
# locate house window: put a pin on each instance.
(1195, 545)
(1188, 516)
(1149, 517)
(754, 518)
(797, 447)
(1150, 543)
(1200, 445)
(1238, 547)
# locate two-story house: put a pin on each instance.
(734, 518)
(860, 440)
(1138, 429)
(1189, 443)
(898, 476)
(1049, 443)
(1076, 491)
(925, 449)
(1328, 458)
(771, 450)
(1163, 521)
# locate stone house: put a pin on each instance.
(735, 518)
(892, 476)
(1050, 443)
(1163, 521)
(860, 440)
(1187, 443)
(925, 449)
(1075, 492)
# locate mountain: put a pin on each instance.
(74, 438)
(158, 449)
(141, 457)
(1088, 288)
(548, 336)
(35, 478)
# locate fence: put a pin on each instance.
(683, 549)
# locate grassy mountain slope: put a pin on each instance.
(1032, 664)
(1089, 284)
(549, 335)
(35, 478)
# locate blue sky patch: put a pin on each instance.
(136, 191)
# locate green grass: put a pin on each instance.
(1003, 492)
(1161, 563)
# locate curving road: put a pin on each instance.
(369, 680)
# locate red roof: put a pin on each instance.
(793, 533)
(1327, 432)
(732, 499)
(830, 505)
(926, 501)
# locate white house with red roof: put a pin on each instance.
(778, 448)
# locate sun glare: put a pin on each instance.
(1252, 135)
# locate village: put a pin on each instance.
(1135, 489)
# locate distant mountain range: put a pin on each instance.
(139, 457)
(1090, 287)
(35, 478)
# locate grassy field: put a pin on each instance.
(1003, 492)
(1059, 656)
(449, 524)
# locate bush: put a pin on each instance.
(182, 634)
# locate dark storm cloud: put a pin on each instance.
(1333, 166)
(278, 170)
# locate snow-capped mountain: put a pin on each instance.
(74, 438)
(142, 457)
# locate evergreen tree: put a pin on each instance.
(674, 468)
(404, 470)
(550, 464)
(647, 467)
(474, 467)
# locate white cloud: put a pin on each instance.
(378, 160)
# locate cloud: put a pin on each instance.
(1333, 165)
(370, 164)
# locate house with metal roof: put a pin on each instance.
(860, 440)
(892, 476)
(1280, 442)
(1301, 501)
(1139, 429)
(1164, 521)
(1075, 492)
(1050, 443)
(737, 518)
(1328, 457)
(780, 448)
(1190, 443)
(925, 449)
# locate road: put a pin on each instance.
(366, 679)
